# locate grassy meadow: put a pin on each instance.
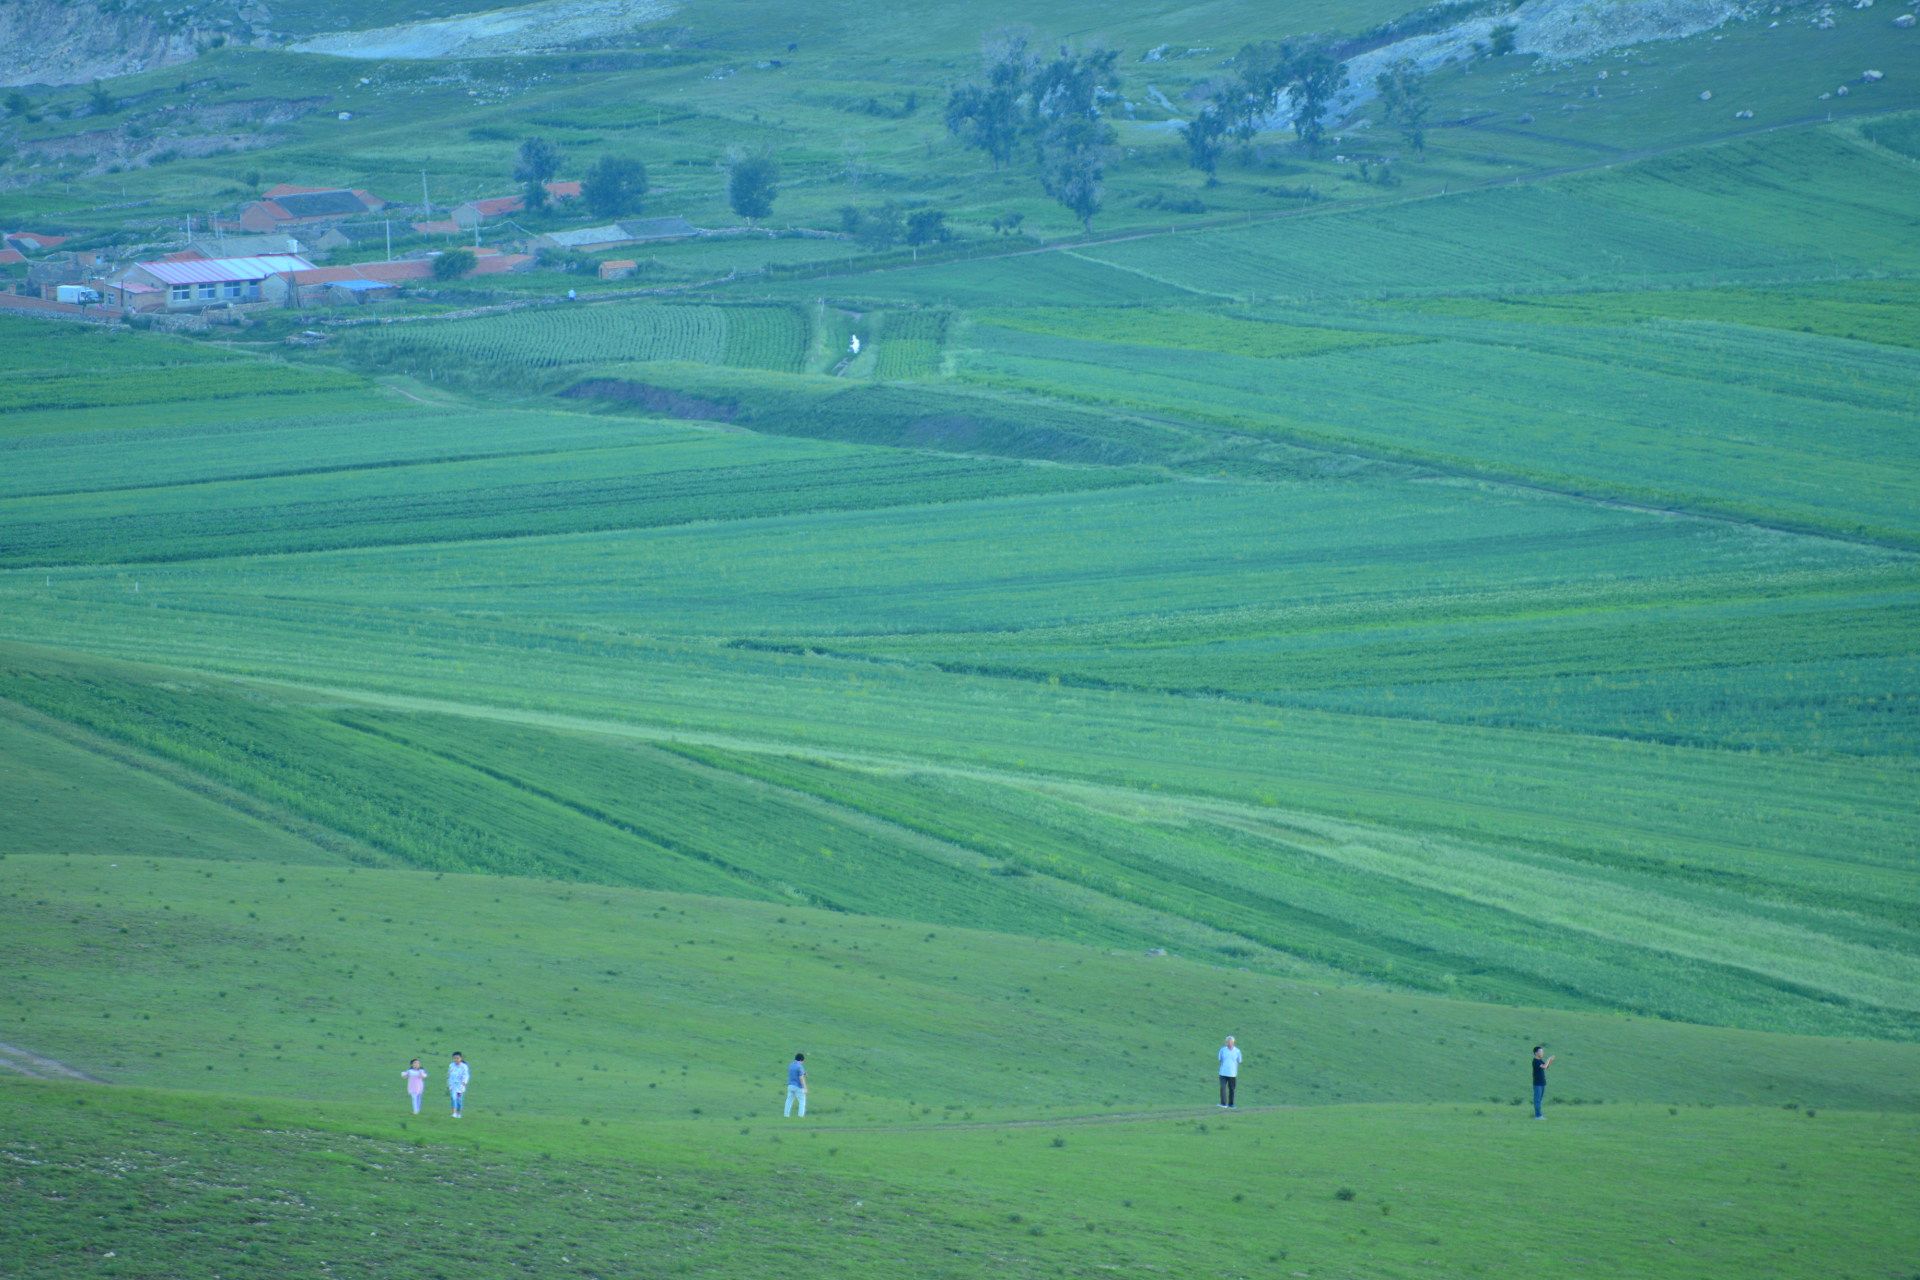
(1392, 622)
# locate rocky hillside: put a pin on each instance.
(74, 41)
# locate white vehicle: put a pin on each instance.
(75, 293)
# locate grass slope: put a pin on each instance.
(615, 1126)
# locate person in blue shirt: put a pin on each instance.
(797, 1085)
(1229, 1073)
(1541, 1061)
(458, 1073)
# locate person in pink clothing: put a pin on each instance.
(416, 1078)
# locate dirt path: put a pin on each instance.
(31, 1065)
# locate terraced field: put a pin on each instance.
(1396, 609)
(520, 344)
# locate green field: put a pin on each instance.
(1392, 607)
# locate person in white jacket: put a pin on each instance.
(458, 1073)
(1229, 1073)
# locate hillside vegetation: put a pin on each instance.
(1396, 601)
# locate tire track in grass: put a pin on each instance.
(36, 1066)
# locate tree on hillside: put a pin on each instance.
(1316, 78)
(538, 161)
(100, 102)
(1073, 166)
(876, 229)
(1500, 40)
(614, 186)
(991, 116)
(453, 264)
(927, 226)
(1205, 136)
(1054, 103)
(751, 184)
(1404, 102)
(1309, 75)
(18, 104)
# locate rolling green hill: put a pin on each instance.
(1395, 607)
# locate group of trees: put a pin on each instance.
(614, 186)
(611, 187)
(1309, 76)
(884, 226)
(1050, 104)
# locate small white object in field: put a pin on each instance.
(1904, 20)
(1706, 95)
(346, 115)
(1842, 92)
(1746, 114)
(1871, 76)
(853, 344)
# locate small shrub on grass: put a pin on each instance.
(1345, 1193)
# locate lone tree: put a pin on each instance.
(751, 179)
(538, 161)
(1205, 136)
(614, 185)
(1073, 166)
(453, 264)
(100, 102)
(927, 226)
(1317, 77)
(1404, 102)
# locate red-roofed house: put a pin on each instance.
(11, 256)
(474, 212)
(297, 206)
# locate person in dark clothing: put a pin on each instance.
(1540, 1065)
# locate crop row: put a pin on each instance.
(546, 338)
(159, 384)
(911, 344)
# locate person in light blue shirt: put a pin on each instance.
(458, 1073)
(797, 1085)
(1229, 1072)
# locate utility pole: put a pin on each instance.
(389, 239)
(426, 205)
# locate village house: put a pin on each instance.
(474, 212)
(132, 295)
(616, 234)
(195, 283)
(312, 285)
(286, 206)
(618, 268)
